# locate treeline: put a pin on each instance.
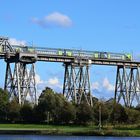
(53, 108)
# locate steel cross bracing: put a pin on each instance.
(127, 86)
(20, 78)
(21, 82)
(77, 83)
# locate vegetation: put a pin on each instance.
(53, 110)
(118, 130)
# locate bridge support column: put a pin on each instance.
(20, 82)
(137, 85)
(76, 85)
(127, 85)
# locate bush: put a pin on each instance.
(84, 114)
(133, 116)
(118, 114)
(13, 111)
(26, 113)
(4, 100)
(104, 112)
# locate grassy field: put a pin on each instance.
(118, 130)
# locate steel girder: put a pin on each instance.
(5, 45)
(127, 87)
(76, 85)
(20, 82)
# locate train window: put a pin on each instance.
(65, 53)
(104, 55)
(96, 55)
(60, 53)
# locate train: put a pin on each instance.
(97, 55)
(76, 53)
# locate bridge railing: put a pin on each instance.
(65, 52)
(83, 53)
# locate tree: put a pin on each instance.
(26, 113)
(133, 115)
(118, 114)
(53, 107)
(46, 104)
(64, 111)
(104, 112)
(39, 114)
(13, 111)
(68, 113)
(47, 98)
(4, 99)
(56, 112)
(84, 113)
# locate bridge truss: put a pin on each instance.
(20, 72)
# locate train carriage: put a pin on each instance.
(95, 55)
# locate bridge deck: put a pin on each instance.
(28, 54)
(80, 60)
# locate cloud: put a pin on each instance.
(103, 89)
(14, 41)
(102, 86)
(99, 88)
(55, 19)
(38, 79)
(107, 85)
(95, 86)
(52, 82)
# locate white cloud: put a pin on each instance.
(95, 86)
(107, 85)
(55, 19)
(14, 41)
(52, 82)
(38, 79)
(99, 89)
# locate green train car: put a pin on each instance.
(65, 53)
(96, 55)
(77, 53)
(115, 56)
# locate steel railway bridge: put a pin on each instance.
(20, 80)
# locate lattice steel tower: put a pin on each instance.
(128, 85)
(77, 83)
(20, 82)
(19, 78)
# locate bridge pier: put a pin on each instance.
(20, 82)
(76, 85)
(127, 87)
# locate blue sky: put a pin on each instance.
(101, 25)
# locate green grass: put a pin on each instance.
(118, 130)
(44, 127)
